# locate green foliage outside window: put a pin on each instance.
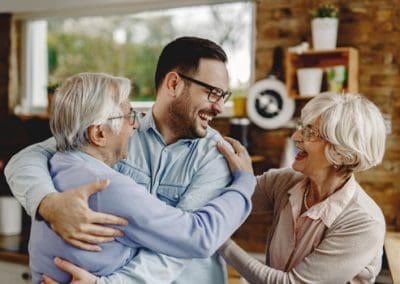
(74, 52)
(91, 45)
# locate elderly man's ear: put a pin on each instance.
(98, 134)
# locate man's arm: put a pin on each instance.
(79, 275)
(68, 213)
(154, 224)
(28, 176)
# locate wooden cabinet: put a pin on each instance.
(14, 273)
(346, 56)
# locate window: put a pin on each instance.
(129, 45)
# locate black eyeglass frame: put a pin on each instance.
(132, 115)
(221, 94)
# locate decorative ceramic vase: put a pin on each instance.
(324, 33)
(309, 81)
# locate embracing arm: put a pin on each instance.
(68, 213)
(28, 175)
(154, 224)
(338, 259)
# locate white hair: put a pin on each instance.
(83, 100)
(353, 125)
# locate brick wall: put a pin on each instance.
(373, 27)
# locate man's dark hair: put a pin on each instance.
(183, 55)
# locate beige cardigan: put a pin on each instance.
(350, 252)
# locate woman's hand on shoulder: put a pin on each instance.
(239, 159)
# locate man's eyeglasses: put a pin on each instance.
(308, 132)
(214, 93)
(131, 116)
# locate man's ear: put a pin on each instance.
(174, 83)
(97, 135)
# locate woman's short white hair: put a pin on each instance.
(83, 100)
(353, 125)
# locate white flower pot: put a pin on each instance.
(309, 81)
(324, 33)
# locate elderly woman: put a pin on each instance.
(325, 228)
(92, 121)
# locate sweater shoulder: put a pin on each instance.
(284, 178)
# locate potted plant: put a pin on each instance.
(324, 26)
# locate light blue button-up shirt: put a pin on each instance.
(186, 174)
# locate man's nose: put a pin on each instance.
(219, 106)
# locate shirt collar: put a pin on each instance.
(146, 122)
(329, 209)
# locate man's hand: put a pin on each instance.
(240, 159)
(79, 275)
(69, 215)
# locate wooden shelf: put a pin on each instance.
(346, 56)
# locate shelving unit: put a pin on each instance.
(346, 56)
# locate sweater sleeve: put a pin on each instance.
(348, 250)
(153, 224)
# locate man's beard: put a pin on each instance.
(182, 120)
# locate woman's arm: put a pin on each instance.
(339, 258)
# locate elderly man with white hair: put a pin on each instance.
(92, 121)
(325, 228)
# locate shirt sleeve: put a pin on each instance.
(347, 250)
(28, 176)
(207, 184)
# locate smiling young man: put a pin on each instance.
(174, 157)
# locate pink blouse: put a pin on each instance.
(298, 235)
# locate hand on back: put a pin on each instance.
(79, 275)
(70, 217)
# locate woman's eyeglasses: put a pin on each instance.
(308, 132)
(214, 93)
